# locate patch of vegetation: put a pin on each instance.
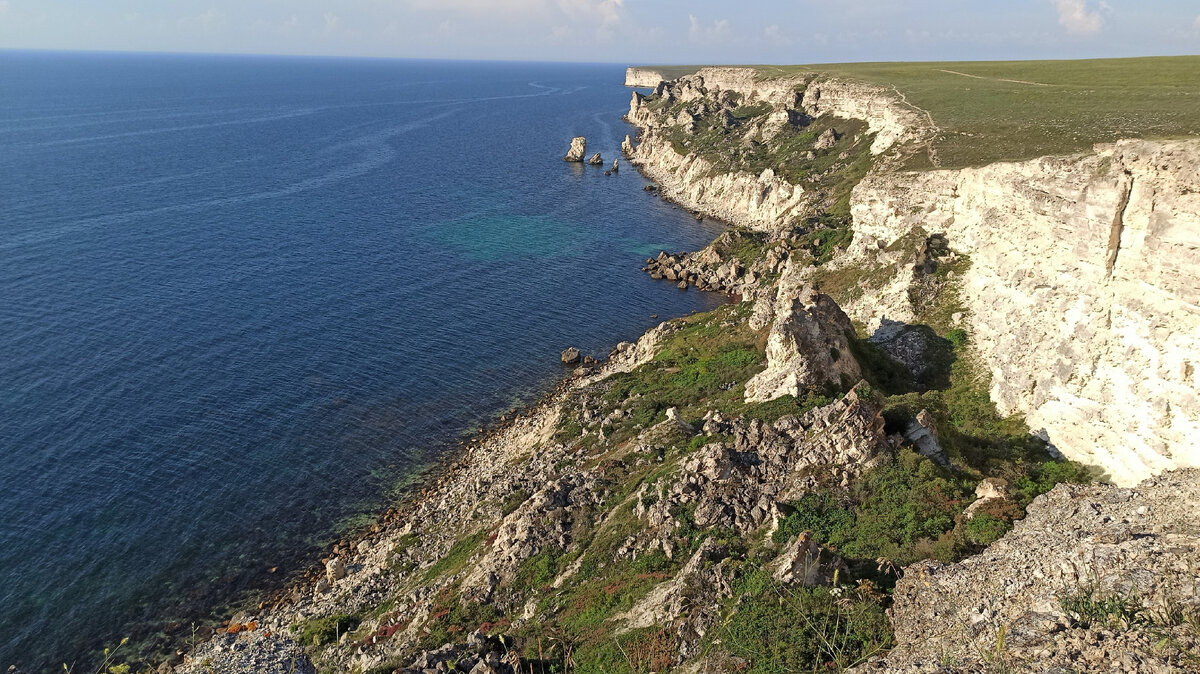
(513, 501)
(705, 365)
(779, 629)
(742, 244)
(650, 649)
(451, 619)
(457, 557)
(787, 405)
(746, 112)
(899, 510)
(327, 630)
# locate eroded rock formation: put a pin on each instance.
(577, 150)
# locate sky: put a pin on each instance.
(620, 31)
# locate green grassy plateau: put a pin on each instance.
(989, 111)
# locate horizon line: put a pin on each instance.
(630, 64)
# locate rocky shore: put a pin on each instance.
(796, 481)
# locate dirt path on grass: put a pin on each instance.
(995, 79)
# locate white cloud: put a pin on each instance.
(717, 31)
(1075, 16)
(289, 25)
(331, 21)
(776, 35)
(480, 6)
(206, 21)
(605, 12)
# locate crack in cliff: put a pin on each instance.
(1118, 225)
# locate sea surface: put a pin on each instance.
(243, 298)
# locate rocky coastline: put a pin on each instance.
(779, 471)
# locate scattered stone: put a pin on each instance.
(335, 569)
(673, 417)
(989, 489)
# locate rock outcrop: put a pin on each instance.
(627, 146)
(807, 348)
(1082, 296)
(577, 150)
(887, 116)
(596, 160)
(1024, 602)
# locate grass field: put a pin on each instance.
(988, 111)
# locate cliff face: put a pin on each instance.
(761, 201)
(1082, 292)
(642, 77)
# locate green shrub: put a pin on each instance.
(816, 512)
(985, 529)
(513, 501)
(780, 629)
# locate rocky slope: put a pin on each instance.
(1095, 578)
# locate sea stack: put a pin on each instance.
(616, 165)
(578, 148)
(596, 160)
(627, 145)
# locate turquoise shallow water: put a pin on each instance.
(240, 298)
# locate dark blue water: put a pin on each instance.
(241, 298)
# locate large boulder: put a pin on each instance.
(596, 160)
(807, 348)
(826, 140)
(577, 150)
(570, 356)
(804, 563)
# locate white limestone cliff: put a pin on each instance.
(642, 77)
(1083, 292)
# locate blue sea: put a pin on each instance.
(243, 298)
